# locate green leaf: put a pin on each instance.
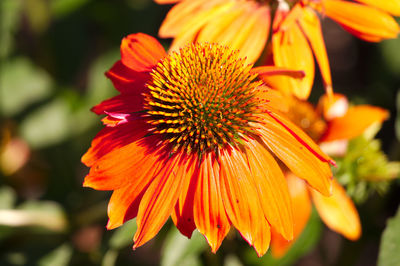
(60, 256)
(389, 252)
(61, 8)
(48, 125)
(123, 236)
(398, 116)
(7, 197)
(305, 243)
(21, 84)
(179, 250)
(9, 19)
(390, 51)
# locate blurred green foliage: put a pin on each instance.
(53, 55)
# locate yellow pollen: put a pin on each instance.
(201, 98)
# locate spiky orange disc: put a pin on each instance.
(201, 98)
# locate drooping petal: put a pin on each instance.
(141, 52)
(240, 198)
(390, 6)
(121, 167)
(363, 21)
(271, 187)
(179, 16)
(338, 212)
(291, 50)
(111, 139)
(182, 216)
(301, 213)
(292, 146)
(209, 213)
(159, 199)
(127, 80)
(354, 122)
(311, 27)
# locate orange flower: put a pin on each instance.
(343, 123)
(240, 24)
(297, 34)
(191, 136)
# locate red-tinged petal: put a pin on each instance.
(240, 197)
(271, 187)
(338, 212)
(179, 16)
(159, 199)
(109, 139)
(301, 213)
(311, 27)
(190, 30)
(120, 167)
(127, 80)
(266, 71)
(183, 212)
(292, 146)
(141, 52)
(390, 6)
(271, 99)
(291, 50)
(365, 22)
(122, 104)
(209, 213)
(354, 122)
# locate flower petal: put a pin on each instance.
(301, 213)
(354, 122)
(241, 199)
(209, 213)
(141, 52)
(122, 104)
(127, 80)
(271, 187)
(390, 6)
(338, 212)
(363, 21)
(291, 50)
(293, 147)
(159, 199)
(311, 27)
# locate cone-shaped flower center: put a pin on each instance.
(201, 98)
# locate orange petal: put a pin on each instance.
(354, 122)
(301, 213)
(265, 71)
(241, 199)
(179, 16)
(363, 21)
(334, 106)
(291, 50)
(271, 188)
(159, 199)
(311, 27)
(338, 212)
(182, 216)
(141, 52)
(390, 6)
(272, 99)
(292, 146)
(209, 213)
(190, 30)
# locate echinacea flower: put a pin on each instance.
(240, 24)
(333, 123)
(297, 34)
(193, 135)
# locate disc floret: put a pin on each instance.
(201, 98)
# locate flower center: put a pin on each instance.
(201, 98)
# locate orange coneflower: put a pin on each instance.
(296, 30)
(297, 33)
(341, 123)
(192, 136)
(240, 24)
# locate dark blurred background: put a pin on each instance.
(53, 55)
